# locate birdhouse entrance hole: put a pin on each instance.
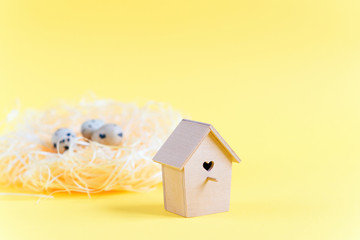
(208, 165)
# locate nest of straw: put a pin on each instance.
(28, 160)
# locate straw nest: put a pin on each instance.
(28, 160)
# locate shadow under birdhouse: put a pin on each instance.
(143, 210)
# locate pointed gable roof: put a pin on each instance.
(184, 141)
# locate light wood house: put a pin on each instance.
(196, 170)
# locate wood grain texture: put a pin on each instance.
(181, 144)
(196, 164)
(173, 185)
(184, 141)
(234, 156)
(203, 196)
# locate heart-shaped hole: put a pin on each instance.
(208, 165)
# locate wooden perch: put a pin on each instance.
(211, 179)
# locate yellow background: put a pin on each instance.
(279, 79)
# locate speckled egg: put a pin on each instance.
(109, 134)
(62, 139)
(90, 126)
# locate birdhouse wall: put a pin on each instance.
(204, 196)
(173, 184)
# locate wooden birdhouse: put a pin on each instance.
(196, 170)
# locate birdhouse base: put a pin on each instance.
(195, 215)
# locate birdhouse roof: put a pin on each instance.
(184, 141)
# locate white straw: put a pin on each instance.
(28, 159)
